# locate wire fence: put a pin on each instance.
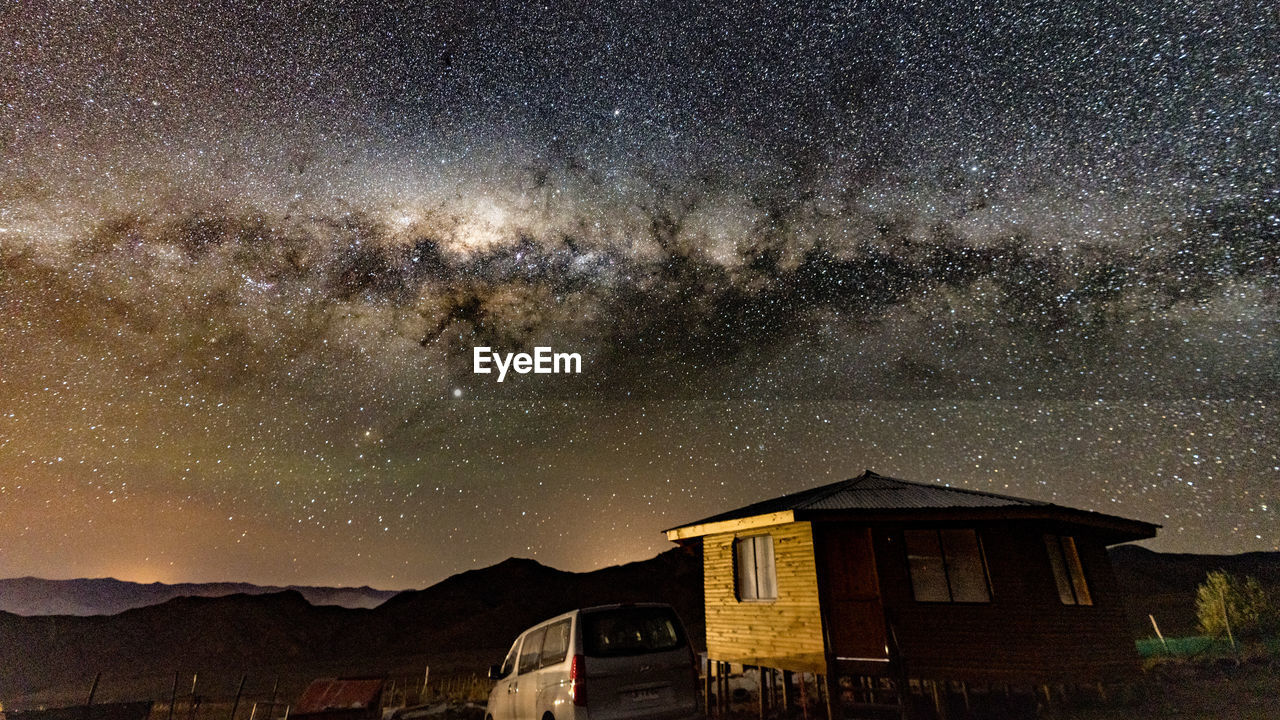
(267, 697)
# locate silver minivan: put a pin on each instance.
(614, 662)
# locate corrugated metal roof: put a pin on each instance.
(329, 694)
(874, 492)
(870, 491)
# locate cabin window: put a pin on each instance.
(757, 578)
(1068, 573)
(947, 566)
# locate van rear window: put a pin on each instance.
(631, 631)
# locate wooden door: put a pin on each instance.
(854, 614)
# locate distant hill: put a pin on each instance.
(1164, 584)
(108, 596)
(487, 608)
(479, 612)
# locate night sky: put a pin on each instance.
(246, 251)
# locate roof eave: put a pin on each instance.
(1113, 528)
(688, 532)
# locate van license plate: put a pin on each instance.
(643, 695)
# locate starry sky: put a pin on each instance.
(246, 250)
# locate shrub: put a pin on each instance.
(1248, 606)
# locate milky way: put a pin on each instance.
(245, 253)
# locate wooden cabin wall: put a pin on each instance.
(785, 633)
(1025, 633)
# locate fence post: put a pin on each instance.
(93, 689)
(173, 694)
(275, 687)
(236, 705)
(1159, 634)
(195, 699)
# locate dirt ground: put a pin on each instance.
(1217, 690)
(1191, 690)
(1201, 689)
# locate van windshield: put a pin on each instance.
(631, 631)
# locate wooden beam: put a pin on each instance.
(722, 676)
(724, 526)
(830, 694)
(708, 688)
(760, 688)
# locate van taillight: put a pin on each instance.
(577, 680)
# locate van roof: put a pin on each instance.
(593, 608)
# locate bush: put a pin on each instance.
(1248, 606)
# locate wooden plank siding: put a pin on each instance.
(1025, 634)
(785, 633)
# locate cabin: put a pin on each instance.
(875, 581)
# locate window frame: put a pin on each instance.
(946, 566)
(1067, 570)
(536, 636)
(543, 660)
(772, 569)
(512, 660)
